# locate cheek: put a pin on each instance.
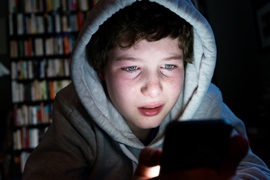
(176, 84)
(117, 87)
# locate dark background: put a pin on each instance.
(5, 86)
(242, 70)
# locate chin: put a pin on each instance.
(149, 125)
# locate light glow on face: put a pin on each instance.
(145, 81)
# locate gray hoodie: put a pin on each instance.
(89, 139)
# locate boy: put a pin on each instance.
(137, 66)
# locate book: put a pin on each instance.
(20, 25)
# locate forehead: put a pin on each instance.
(145, 51)
(165, 45)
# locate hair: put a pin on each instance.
(141, 20)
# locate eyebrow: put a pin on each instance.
(173, 57)
(122, 58)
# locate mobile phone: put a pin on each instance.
(194, 144)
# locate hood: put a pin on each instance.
(197, 79)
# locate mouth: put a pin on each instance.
(150, 111)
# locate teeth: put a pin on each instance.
(149, 108)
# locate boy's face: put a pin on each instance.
(145, 81)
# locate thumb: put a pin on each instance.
(148, 160)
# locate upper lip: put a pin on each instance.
(151, 106)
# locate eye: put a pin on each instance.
(169, 67)
(130, 68)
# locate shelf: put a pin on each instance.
(42, 35)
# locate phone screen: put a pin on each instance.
(195, 143)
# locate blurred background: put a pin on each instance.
(242, 31)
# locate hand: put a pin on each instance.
(150, 159)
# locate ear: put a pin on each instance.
(101, 75)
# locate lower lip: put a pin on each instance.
(150, 112)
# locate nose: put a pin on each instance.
(152, 86)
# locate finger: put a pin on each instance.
(238, 149)
(148, 159)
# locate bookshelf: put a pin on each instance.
(42, 34)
